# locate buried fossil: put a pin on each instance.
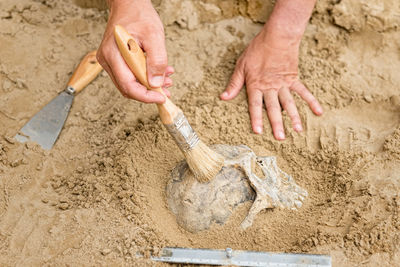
(196, 205)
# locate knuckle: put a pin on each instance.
(301, 90)
(233, 84)
(275, 124)
(296, 121)
(137, 94)
(152, 27)
(288, 103)
(314, 102)
(123, 93)
(102, 50)
(313, 99)
(126, 87)
(106, 56)
(124, 84)
(295, 118)
(145, 100)
(254, 85)
(272, 107)
(159, 61)
(155, 34)
(256, 118)
(100, 58)
(240, 65)
(255, 103)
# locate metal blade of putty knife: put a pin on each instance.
(241, 258)
(45, 127)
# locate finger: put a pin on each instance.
(100, 58)
(303, 92)
(167, 82)
(235, 84)
(128, 84)
(169, 71)
(116, 84)
(274, 113)
(156, 55)
(111, 75)
(287, 102)
(255, 109)
(106, 67)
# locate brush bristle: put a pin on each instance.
(204, 162)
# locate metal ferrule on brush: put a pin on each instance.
(183, 134)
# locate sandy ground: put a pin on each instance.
(98, 197)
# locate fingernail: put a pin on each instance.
(319, 110)
(280, 135)
(157, 81)
(224, 94)
(258, 129)
(298, 127)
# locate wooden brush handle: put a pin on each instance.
(136, 60)
(86, 71)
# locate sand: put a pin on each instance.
(98, 197)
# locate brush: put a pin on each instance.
(204, 162)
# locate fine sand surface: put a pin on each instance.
(98, 197)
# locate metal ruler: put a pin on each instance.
(242, 258)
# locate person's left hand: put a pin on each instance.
(269, 67)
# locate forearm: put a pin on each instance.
(289, 18)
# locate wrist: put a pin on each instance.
(115, 3)
(283, 33)
(289, 19)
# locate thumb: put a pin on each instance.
(157, 63)
(235, 84)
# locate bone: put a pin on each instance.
(198, 205)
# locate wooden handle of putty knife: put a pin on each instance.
(86, 71)
(136, 60)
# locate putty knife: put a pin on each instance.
(47, 124)
(241, 258)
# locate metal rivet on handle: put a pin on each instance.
(70, 90)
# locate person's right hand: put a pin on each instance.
(140, 19)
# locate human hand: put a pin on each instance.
(269, 67)
(140, 19)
